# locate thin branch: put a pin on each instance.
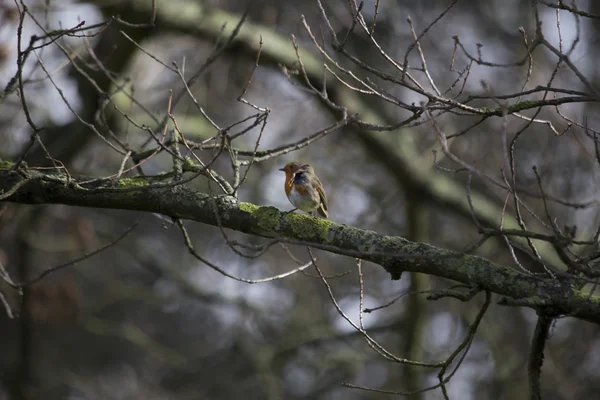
(536, 355)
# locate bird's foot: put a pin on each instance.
(285, 213)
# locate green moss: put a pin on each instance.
(585, 293)
(248, 207)
(513, 108)
(522, 105)
(303, 226)
(133, 182)
(267, 218)
(6, 164)
(189, 165)
(307, 227)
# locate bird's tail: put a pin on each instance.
(322, 211)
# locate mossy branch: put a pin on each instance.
(393, 253)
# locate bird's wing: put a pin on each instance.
(321, 192)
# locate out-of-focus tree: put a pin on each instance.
(147, 251)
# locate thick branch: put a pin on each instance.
(395, 254)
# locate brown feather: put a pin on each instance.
(291, 169)
(323, 206)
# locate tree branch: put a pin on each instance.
(395, 254)
(536, 355)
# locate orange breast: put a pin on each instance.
(289, 182)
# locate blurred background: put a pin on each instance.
(145, 319)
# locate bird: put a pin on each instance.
(304, 189)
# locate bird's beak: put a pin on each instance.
(282, 169)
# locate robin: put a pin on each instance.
(303, 189)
